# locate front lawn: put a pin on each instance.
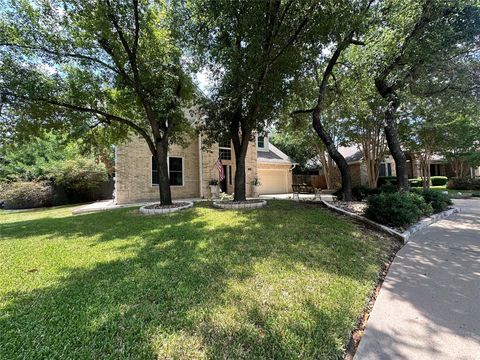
(453, 193)
(287, 281)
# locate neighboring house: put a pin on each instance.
(191, 168)
(439, 166)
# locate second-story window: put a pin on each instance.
(261, 142)
(225, 150)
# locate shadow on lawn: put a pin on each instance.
(159, 302)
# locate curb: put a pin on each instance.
(405, 236)
(144, 210)
(233, 206)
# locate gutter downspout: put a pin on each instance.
(200, 164)
(115, 177)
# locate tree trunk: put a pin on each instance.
(240, 147)
(334, 154)
(392, 136)
(397, 154)
(240, 186)
(163, 179)
(326, 169)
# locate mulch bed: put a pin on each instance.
(174, 205)
(356, 207)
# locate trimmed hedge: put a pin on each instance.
(26, 194)
(439, 180)
(397, 209)
(436, 181)
(463, 184)
(417, 182)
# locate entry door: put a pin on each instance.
(223, 183)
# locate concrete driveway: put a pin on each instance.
(429, 304)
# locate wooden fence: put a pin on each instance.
(317, 181)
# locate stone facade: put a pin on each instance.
(133, 171)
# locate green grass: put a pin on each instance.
(287, 281)
(451, 192)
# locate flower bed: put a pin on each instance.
(155, 209)
(234, 205)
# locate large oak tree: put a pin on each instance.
(250, 50)
(98, 64)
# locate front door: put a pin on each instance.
(223, 183)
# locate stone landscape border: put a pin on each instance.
(231, 205)
(405, 236)
(144, 209)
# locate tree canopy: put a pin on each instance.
(105, 64)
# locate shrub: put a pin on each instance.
(360, 193)
(388, 188)
(415, 182)
(438, 200)
(463, 184)
(26, 194)
(80, 176)
(439, 180)
(386, 180)
(397, 209)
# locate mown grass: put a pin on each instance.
(287, 281)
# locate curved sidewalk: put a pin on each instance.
(429, 304)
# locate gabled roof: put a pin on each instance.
(352, 154)
(273, 156)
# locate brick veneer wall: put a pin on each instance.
(133, 181)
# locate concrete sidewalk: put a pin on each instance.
(429, 304)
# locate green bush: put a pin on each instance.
(26, 194)
(439, 180)
(386, 180)
(436, 181)
(81, 175)
(438, 200)
(397, 209)
(360, 193)
(463, 184)
(417, 182)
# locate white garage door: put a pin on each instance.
(273, 181)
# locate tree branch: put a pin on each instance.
(107, 116)
(63, 54)
(302, 111)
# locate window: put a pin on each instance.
(385, 169)
(261, 142)
(230, 174)
(175, 171)
(224, 150)
(154, 172)
(435, 170)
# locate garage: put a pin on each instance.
(273, 181)
(274, 170)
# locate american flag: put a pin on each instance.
(221, 173)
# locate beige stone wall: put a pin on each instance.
(134, 176)
(133, 171)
